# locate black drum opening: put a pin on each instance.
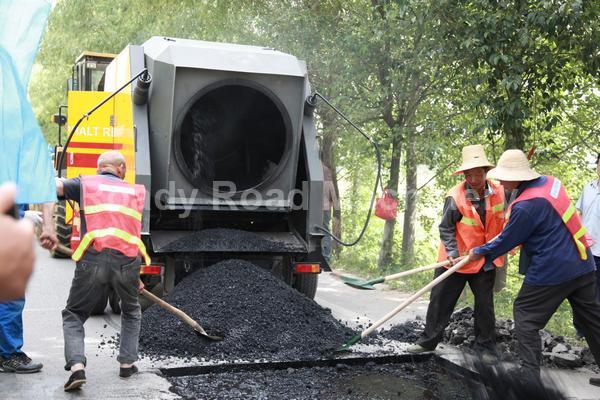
(233, 133)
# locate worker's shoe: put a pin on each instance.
(76, 380)
(19, 363)
(595, 380)
(127, 372)
(417, 349)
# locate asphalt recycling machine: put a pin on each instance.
(222, 137)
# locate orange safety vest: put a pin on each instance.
(470, 231)
(554, 192)
(113, 216)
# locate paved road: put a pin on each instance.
(364, 306)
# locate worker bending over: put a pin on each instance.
(108, 255)
(473, 214)
(559, 264)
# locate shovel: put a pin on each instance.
(355, 339)
(173, 310)
(368, 284)
(180, 314)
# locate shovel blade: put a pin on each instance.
(361, 285)
(346, 346)
(201, 332)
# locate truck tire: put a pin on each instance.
(114, 301)
(63, 230)
(307, 284)
(100, 305)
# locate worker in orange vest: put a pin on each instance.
(108, 255)
(473, 214)
(559, 263)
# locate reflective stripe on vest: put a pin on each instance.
(99, 233)
(468, 221)
(470, 230)
(498, 207)
(113, 214)
(554, 192)
(115, 208)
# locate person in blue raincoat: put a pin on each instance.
(25, 159)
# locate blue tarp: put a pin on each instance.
(24, 157)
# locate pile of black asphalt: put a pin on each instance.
(259, 316)
(228, 240)
(408, 332)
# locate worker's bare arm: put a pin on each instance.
(16, 248)
(60, 187)
(48, 238)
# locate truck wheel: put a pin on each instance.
(114, 301)
(100, 305)
(63, 230)
(307, 284)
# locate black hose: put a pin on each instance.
(87, 114)
(312, 101)
(140, 92)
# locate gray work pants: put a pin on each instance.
(94, 273)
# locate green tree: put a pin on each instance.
(522, 58)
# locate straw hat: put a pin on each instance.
(513, 166)
(473, 157)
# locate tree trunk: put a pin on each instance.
(410, 209)
(328, 158)
(387, 243)
(514, 139)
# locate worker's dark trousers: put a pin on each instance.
(95, 272)
(575, 322)
(443, 299)
(535, 305)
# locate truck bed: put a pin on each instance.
(227, 241)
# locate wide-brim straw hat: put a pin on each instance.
(513, 166)
(473, 156)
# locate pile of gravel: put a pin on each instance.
(259, 316)
(226, 240)
(422, 381)
(556, 352)
(408, 332)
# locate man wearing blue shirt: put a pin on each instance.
(555, 257)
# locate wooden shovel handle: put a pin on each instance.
(173, 310)
(420, 269)
(415, 296)
(64, 249)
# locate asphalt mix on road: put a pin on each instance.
(370, 381)
(264, 320)
(259, 317)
